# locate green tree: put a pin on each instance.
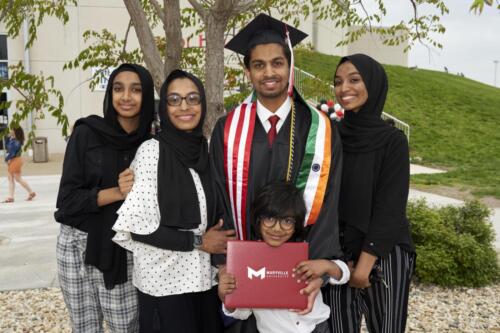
(216, 18)
(478, 5)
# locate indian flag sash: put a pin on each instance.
(313, 174)
(315, 167)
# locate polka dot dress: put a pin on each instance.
(159, 272)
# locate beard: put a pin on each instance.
(273, 94)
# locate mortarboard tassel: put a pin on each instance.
(291, 76)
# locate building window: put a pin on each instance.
(103, 74)
(4, 64)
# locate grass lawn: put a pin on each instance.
(454, 122)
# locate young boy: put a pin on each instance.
(277, 217)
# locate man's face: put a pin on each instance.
(268, 71)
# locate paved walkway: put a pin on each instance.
(28, 236)
(28, 231)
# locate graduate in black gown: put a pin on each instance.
(249, 150)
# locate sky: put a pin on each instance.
(470, 44)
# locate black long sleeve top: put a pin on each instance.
(80, 180)
(388, 224)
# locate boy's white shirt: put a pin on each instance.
(284, 320)
(346, 273)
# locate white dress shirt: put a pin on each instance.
(263, 113)
(284, 320)
(159, 272)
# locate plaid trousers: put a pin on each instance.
(87, 299)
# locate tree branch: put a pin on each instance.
(158, 11)
(415, 14)
(152, 56)
(6, 10)
(125, 39)
(202, 11)
(242, 6)
(173, 35)
(367, 15)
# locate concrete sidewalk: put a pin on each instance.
(28, 231)
(28, 236)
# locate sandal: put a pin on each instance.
(8, 200)
(31, 196)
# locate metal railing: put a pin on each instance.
(398, 124)
(314, 89)
(311, 87)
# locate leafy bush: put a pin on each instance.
(454, 244)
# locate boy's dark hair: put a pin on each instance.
(284, 46)
(280, 199)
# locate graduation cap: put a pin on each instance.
(265, 29)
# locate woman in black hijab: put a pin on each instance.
(374, 228)
(169, 219)
(94, 272)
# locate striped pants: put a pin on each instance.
(87, 299)
(384, 304)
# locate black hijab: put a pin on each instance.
(108, 128)
(365, 131)
(119, 150)
(179, 151)
(363, 134)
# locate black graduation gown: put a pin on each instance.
(270, 164)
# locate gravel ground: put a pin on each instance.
(432, 309)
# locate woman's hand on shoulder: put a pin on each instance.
(214, 241)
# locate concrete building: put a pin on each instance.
(372, 44)
(58, 44)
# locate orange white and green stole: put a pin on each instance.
(314, 170)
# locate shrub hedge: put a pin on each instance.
(454, 244)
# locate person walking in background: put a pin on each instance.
(14, 144)
(375, 233)
(94, 273)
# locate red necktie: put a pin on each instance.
(271, 135)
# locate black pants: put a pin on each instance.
(384, 304)
(186, 313)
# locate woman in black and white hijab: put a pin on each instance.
(169, 219)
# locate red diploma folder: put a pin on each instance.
(264, 275)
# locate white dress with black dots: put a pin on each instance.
(159, 272)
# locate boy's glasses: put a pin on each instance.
(191, 99)
(286, 223)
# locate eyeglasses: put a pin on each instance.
(191, 99)
(286, 223)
